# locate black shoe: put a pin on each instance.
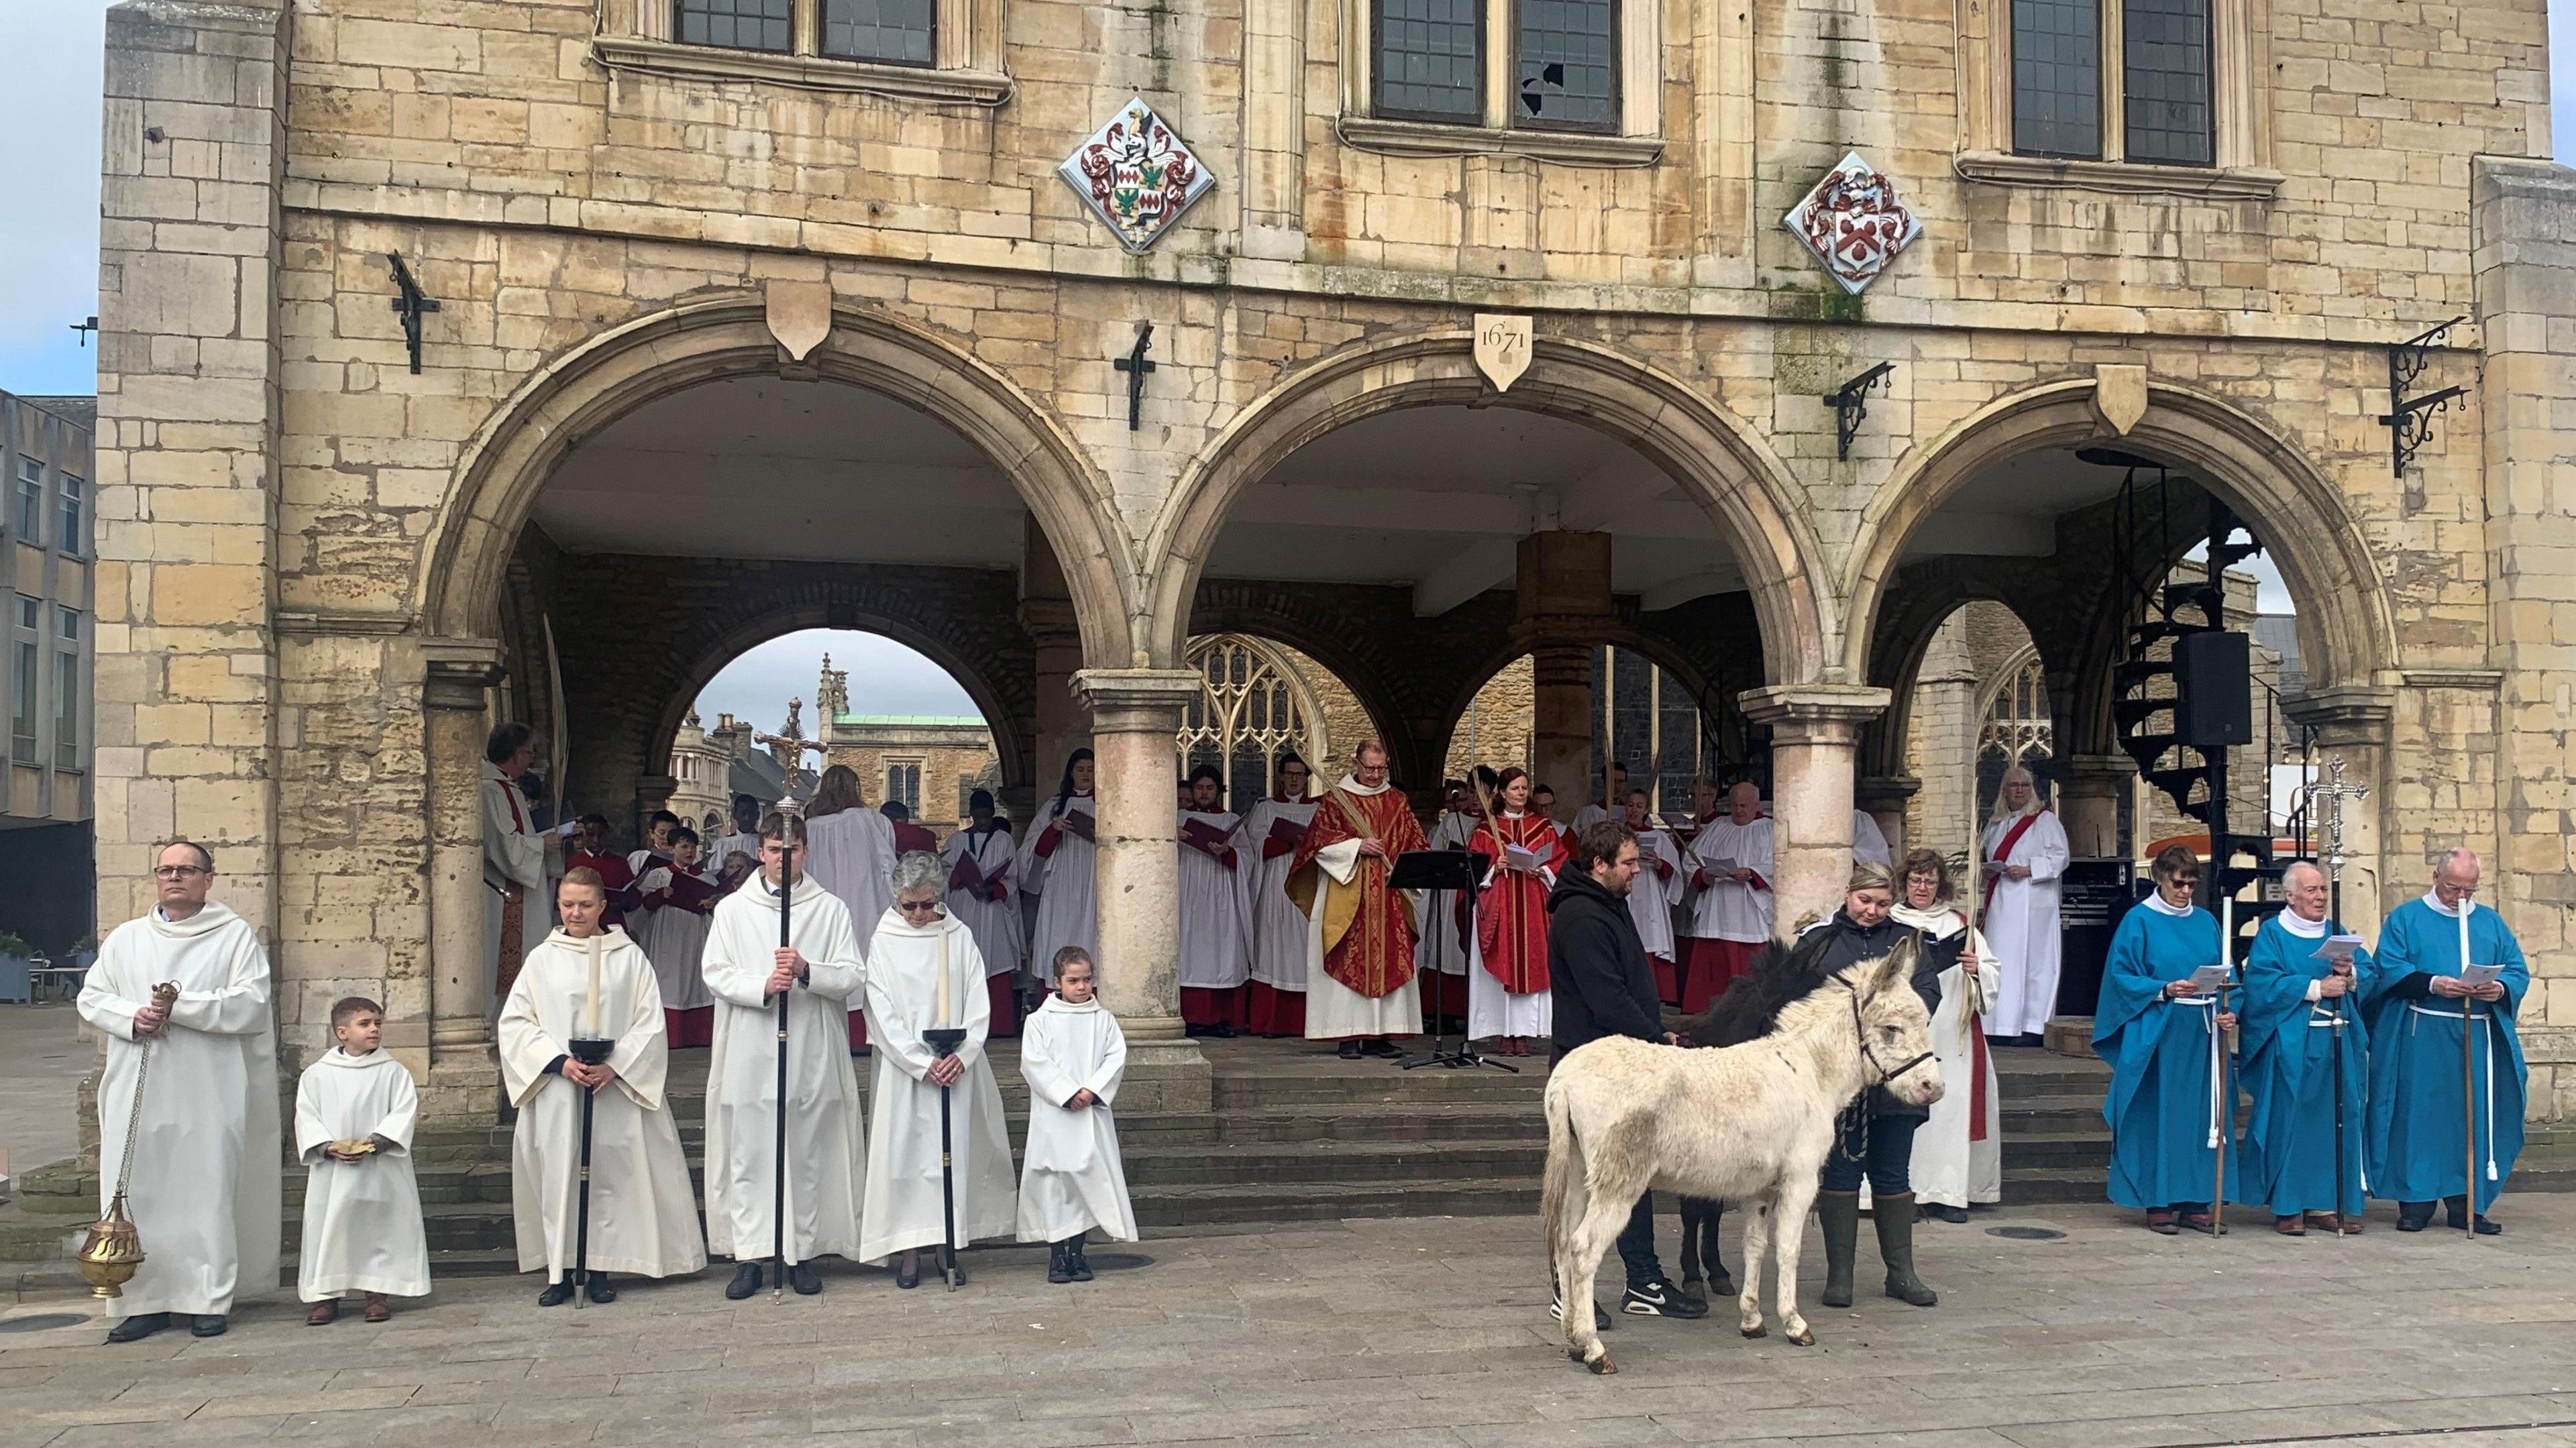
(1222, 1031)
(907, 1271)
(2455, 1211)
(1556, 1313)
(1080, 1263)
(957, 1270)
(2037, 1040)
(1383, 1049)
(138, 1327)
(746, 1281)
(2414, 1216)
(1348, 1050)
(556, 1293)
(804, 1279)
(600, 1292)
(1660, 1298)
(207, 1325)
(1948, 1214)
(1058, 1273)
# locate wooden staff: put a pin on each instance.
(2468, 1087)
(778, 1173)
(2225, 1084)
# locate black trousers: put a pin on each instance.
(1880, 1147)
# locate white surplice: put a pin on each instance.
(2020, 922)
(513, 854)
(1276, 938)
(362, 1223)
(1869, 842)
(675, 941)
(739, 843)
(1073, 1180)
(996, 923)
(1949, 1169)
(902, 1208)
(1437, 946)
(1334, 1011)
(826, 1125)
(1212, 935)
(852, 854)
(1652, 894)
(205, 1195)
(1726, 909)
(643, 1216)
(1064, 881)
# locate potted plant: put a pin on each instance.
(13, 967)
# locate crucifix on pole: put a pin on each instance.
(1135, 365)
(2328, 798)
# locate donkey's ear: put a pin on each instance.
(1896, 968)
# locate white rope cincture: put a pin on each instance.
(2214, 1061)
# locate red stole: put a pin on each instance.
(1374, 956)
(1511, 909)
(2002, 855)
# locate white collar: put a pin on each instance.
(1939, 922)
(2467, 907)
(339, 1056)
(2156, 901)
(2304, 929)
(211, 916)
(1351, 785)
(1058, 1005)
(612, 938)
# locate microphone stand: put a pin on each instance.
(778, 1157)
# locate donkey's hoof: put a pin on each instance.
(1803, 1337)
(1756, 1330)
(1601, 1366)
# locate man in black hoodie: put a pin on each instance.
(1602, 984)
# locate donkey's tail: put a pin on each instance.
(1564, 1169)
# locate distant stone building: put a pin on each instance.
(47, 468)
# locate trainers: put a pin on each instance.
(1660, 1298)
(1556, 1313)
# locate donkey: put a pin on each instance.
(1748, 1123)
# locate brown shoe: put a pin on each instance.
(2161, 1222)
(2334, 1222)
(2290, 1226)
(324, 1313)
(2199, 1222)
(379, 1310)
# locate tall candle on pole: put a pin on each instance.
(2468, 1084)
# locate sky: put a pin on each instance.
(885, 678)
(49, 110)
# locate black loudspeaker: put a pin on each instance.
(2214, 682)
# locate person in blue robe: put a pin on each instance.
(2164, 1041)
(2294, 1009)
(2427, 1143)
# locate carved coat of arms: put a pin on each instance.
(1136, 174)
(1853, 222)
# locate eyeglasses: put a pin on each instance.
(912, 907)
(178, 872)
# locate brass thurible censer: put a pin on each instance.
(113, 1250)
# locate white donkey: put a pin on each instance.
(1750, 1124)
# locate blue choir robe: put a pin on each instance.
(2414, 1148)
(2167, 1128)
(2286, 1159)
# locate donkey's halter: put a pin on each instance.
(1860, 1029)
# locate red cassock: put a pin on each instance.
(1511, 910)
(1368, 946)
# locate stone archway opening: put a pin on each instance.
(1653, 718)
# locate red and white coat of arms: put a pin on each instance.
(1853, 222)
(1136, 174)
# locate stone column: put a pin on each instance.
(455, 697)
(1885, 798)
(2353, 724)
(2090, 789)
(1562, 609)
(1815, 742)
(1046, 611)
(1135, 726)
(653, 792)
(185, 699)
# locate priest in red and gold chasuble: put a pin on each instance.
(1368, 929)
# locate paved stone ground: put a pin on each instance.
(1404, 1333)
(42, 1057)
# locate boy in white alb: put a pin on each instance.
(354, 1110)
(1072, 1056)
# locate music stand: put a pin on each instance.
(1458, 870)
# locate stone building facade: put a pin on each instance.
(47, 469)
(325, 554)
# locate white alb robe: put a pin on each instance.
(1436, 946)
(1212, 934)
(1950, 1170)
(996, 923)
(1073, 1180)
(675, 941)
(826, 1123)
(1726, 909)
(902, 1208)
(739, 843)
(1334, 1011)
(1869, 842)
(2020, 923)
(513, 854)
(643, 1216)
(1651, 896)
(1275, 932)
(362, 1222)
(852, 855)
(1064, 883)
(205, 1195)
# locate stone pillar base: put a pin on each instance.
(1169, 1078)
(2071, 1036)
(462, 1092)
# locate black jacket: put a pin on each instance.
(1599, 979)
(1846, 943)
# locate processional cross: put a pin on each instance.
(2328, 798)
(1135, 365)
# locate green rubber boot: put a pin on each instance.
(1840, 1214)
(1894, 1218)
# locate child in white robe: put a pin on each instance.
(354, 1110)
(1073, 1055)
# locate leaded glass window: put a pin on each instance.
(1251, 708)
(2018, 728)
(738, 24)
(2165, 75)
(2057, 77)
(1430, 60)
(898, 32)
(1566, 57)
